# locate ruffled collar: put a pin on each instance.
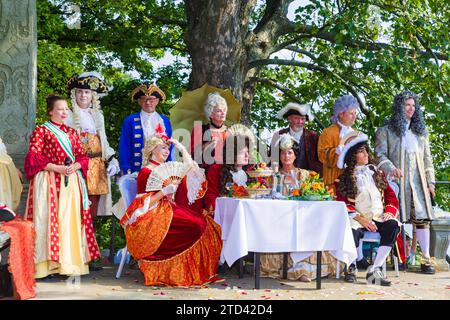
(239, 177)
(364, 178)
(411, 143)
(296, 135)
(148, 115)
(344, 129)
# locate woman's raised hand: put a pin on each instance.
(169, 189)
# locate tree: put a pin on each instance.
(230, 42)
(371, 49)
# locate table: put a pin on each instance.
(298, 227)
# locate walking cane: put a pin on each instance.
(405, 262)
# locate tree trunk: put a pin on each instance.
(221, 44)
(216, 40)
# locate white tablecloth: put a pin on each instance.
(298, 227)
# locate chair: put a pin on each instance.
(128, 190)
(375, 237)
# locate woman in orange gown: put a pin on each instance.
(173, 245)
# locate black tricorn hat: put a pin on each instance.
(148, 90)
(88, 80)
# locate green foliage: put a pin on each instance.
(122, 39)
(55, 66)
(377, 75)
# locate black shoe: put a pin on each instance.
(350, 274)
(427, 268)
(447, 257)
(362, 264)
(95, 267)
(377, 277)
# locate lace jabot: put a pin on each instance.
(239, 177)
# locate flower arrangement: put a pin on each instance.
(312, 188)
(237, 191)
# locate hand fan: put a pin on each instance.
(240, 129)
(165, 174)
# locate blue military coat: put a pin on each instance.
(132, 142)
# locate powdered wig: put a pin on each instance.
(150, 145)
(397, 123)
(344, 104)
(347, 181)
(214, 99)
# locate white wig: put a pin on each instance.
(214, 99)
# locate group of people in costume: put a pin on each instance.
(402, 159)
(170, 230)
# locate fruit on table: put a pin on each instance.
(256, 185)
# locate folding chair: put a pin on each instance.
(128, 190)
(375, 237)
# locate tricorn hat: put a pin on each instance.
(297, 109)
(148, 90)
(88, 80)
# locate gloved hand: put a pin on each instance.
(113, 167)
(177, 144)
(185, 154)
(169, 189)
(339, 149)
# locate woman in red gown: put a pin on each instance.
(58, 203)
(174, 245)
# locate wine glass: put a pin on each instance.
(228, 186)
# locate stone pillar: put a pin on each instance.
(18, 69)
(439, 240)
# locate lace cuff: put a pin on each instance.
(194, 182)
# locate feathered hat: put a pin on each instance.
(147, 90)
(350, 140)
(286, 142)
(88, 80)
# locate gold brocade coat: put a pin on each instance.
(326, 149)
(97, 180)
(105, 202)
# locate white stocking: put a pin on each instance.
(382, 254)
(423, 237)
(360, 251)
